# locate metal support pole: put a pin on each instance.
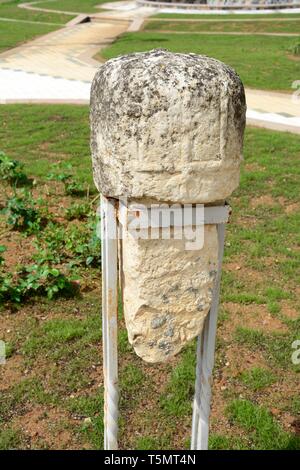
(113, 218)
(109, 250)
(205, 361)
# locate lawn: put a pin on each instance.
(12, 34)
(80, 6)
(52, 385)
(278, 26)
(259, 60)
(10, 9)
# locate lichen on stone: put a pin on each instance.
(167, 128)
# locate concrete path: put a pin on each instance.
(56, 67)
(59, 67)
(65, 53)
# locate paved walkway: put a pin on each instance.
(59, 67)
(65, 53)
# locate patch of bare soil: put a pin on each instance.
(239, 359)
(252, 167)
(246, 220)
(296, 426)
(48, 426)
(289, 311)
(277, 397)
(293, 57)
(235, 360)
(267, 200)
(244, 272)
(96, 375)
(288, 206)
(19, 250)
(11, 373)
(251, 316)
(291, 208)
(219, 422)
(264, 200)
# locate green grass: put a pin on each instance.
(87, 406)
(9, 349)
(26, 392)
(151, 443)
(249, 336)
(276, 293)
(86, 6)
(10, 9)
(264, 431)
(12, 35)
(221, 442)
(54, 333)
(261, 243)
(90, 408)
(258, 60)
(131, 378)
(275, 347)
(295, 405)
(58, 342)
(225, 26)
(257, 378)
(94, 432)
(177, 397)
(274, 170)
(47, 137)
(235, 290)
(9, 439)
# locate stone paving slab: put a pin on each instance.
(21, 86)
(273, 102)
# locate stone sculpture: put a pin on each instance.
(167, 128)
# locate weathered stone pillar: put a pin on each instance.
(167, 128)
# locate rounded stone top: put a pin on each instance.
(167, 127)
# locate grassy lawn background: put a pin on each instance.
(86, 6)
(10, 9)
(259, 60)
(51, 387)
(225, 26)
(13, 34)
(259, 67)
